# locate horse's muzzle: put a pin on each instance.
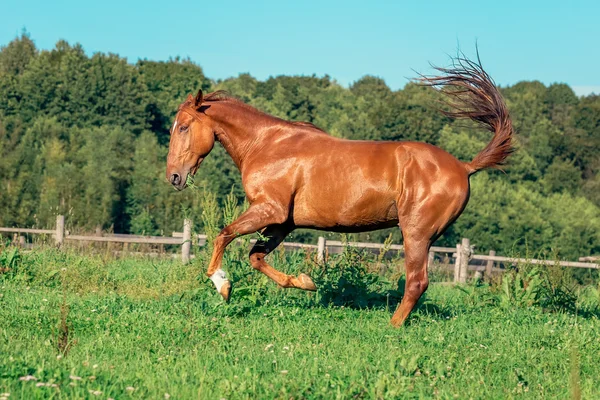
(177, 181)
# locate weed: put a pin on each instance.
(345, 281)
(211, 220)
(9, 260)
(63, 340)
(549, 287)
(575, 375)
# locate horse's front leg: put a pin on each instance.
(272, 237)
(255, 218)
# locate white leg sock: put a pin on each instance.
(219, 278)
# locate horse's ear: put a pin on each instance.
(198, 99)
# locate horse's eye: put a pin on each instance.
(183, 128)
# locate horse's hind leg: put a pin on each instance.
(420, 228)
(416, 251)
(274, 235)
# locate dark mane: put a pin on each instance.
(223, 95)
(307, 124)
(220, 95)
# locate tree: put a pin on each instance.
(168, 84)
(15, 57)
(87, 137)
(148, 193)
(104, 165)
(562, 176)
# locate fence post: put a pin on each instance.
(187, 241)
(430, 259)
(464, 260)
(489, 266)
(60, 230)
(321, 250)
(22, 241)
(457, 263)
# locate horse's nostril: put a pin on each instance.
(175, 179)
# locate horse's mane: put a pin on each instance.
(223, 95)
(220, 95)
(307, 124)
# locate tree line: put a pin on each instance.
(87, 136)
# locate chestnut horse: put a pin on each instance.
(297, 176)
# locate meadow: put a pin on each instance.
(93, 325)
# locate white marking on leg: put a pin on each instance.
(219, 278)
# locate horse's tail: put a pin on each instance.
(474, 95)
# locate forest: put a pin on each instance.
(87, 137)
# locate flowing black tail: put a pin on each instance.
(473, 94)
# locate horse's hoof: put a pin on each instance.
(225, 291)
(306, 283)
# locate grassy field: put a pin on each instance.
(91, 326)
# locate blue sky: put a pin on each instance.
(551, 41)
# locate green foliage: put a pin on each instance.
(231, 208)
(459, 143)
(87, 136)
(148, 202)
(345, 281)
(509, 218)
(168, 84)
(9, 259)
(521, 289)
(211, 215)
(15, 57)
(562, 176)
(549, 287)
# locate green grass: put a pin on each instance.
(143, 329)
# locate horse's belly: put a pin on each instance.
(336, 212)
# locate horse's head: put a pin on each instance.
(192, 138)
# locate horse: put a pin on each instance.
(295, 175)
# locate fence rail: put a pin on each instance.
(27, 230)
(122, 239)
(573, 264)
(462, 253)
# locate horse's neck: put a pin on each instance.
(240, 129)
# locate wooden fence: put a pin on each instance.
(462, 253)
